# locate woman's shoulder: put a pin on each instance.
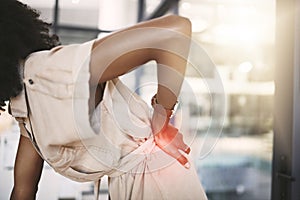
(62, 55)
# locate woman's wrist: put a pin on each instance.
(161, 116)
(168, 112)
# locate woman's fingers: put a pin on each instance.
(174, 146)
(170, 140)
(183, 160)
(179, 157)
(180, 143)
(188, 150)
(185, 148)
(173, 151)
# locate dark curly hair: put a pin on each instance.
(21, 33)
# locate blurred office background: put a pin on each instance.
(239, 38)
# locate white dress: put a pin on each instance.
(157, 176)
(121, 144)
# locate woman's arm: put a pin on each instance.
(165, 40)
(27, 171)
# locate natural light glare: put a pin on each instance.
(237, 34)
(186, 5)
(247, 26)
(75, 1)
(245, 67)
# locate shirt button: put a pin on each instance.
(30, 81)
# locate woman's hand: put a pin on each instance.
(170, 140)
(167, 137)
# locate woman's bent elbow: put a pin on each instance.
(181, 24)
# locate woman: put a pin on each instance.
(26, 43)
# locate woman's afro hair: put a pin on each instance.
(21, 33)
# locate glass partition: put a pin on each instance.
(239, 38)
